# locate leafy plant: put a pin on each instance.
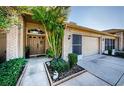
(27, 51)
(3, 22)
(10, 71)
(119, 54)
(53, 21)
(59, 65)
(109, 51)
(9, 15)
(72, 59)
(49, 53)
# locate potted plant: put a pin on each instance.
(109, 51)
(27, 52)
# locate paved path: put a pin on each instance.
(35, 74)
(102, 71)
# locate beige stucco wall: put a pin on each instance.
(2, 44)
(121, 40)
(67, 44)
(21, 37)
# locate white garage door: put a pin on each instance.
(90, 46)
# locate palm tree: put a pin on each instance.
(53, 21)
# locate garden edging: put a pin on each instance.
(21, 76)
(63, 80)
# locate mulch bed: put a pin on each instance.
(63, 75)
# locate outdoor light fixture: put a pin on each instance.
(19, 26)
(69, 37)
(43, 37)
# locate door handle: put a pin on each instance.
(37, 45)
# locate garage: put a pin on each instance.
(90, 45)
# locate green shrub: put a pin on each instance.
(4, 21)
(10, 71)
(119, 54)
(109, 51)
(72, 58)
(49, 53)
(2, 59)
(59, 65)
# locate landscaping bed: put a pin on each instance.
(119, 54)
(10, 71)
(59, 70)
(64, 76)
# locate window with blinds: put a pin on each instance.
(77, 44)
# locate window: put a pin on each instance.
(113, 44)
(77, 44)
(106, 44)
(36, 31)
(109, 44)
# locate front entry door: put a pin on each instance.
(36, 44)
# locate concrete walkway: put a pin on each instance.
(35, 74)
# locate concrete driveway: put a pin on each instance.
(101, 71)
(108, 69)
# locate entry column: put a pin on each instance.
(12, 43)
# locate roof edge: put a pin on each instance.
(88, 29)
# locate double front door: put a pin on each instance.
(36, 45)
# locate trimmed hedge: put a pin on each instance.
(49, 53)
(72, 58)
(2, 59)
(59, 65)
(119, 54)
(10, 71)
(109, 51)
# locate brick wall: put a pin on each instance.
(12, 47)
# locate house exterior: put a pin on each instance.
(77, 39)
(120, 34)
(85, 41)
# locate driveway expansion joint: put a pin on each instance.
(119, 79)
(101, 79)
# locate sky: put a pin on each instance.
(98, 17)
